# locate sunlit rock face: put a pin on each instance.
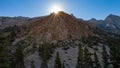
(59, 26)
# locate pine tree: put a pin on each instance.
(19, 57)
(87, 59)
(105, 59)
(44, 65)
(97, 64)
(57, 62)
(63, 65)
(32, 64)
(115, 55)
(80, 58)
(45, 51)
(45, 54)
(3, 57)
(5, 61)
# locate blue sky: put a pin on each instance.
(85, 9)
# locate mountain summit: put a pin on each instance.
(61, 26)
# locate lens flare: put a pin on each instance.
(55, 9)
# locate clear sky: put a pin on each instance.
(85, 9)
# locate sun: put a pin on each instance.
(55, 9)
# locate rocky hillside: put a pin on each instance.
(58, 41)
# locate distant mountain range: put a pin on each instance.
(12, 21)
(110, 24)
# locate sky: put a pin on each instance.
(85, 9)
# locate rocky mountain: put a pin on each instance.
(58, 27)
(110, 24)
(59, 41)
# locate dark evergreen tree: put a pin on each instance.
(80, 57)
(45, 51)
(105, 59)
(63, 65)
(115, 55)
(4, 54)
(44, 65)
(32, 64)
(7, 59)
(97, 64)
(57, 62)
(19, 57)
(88, 63)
